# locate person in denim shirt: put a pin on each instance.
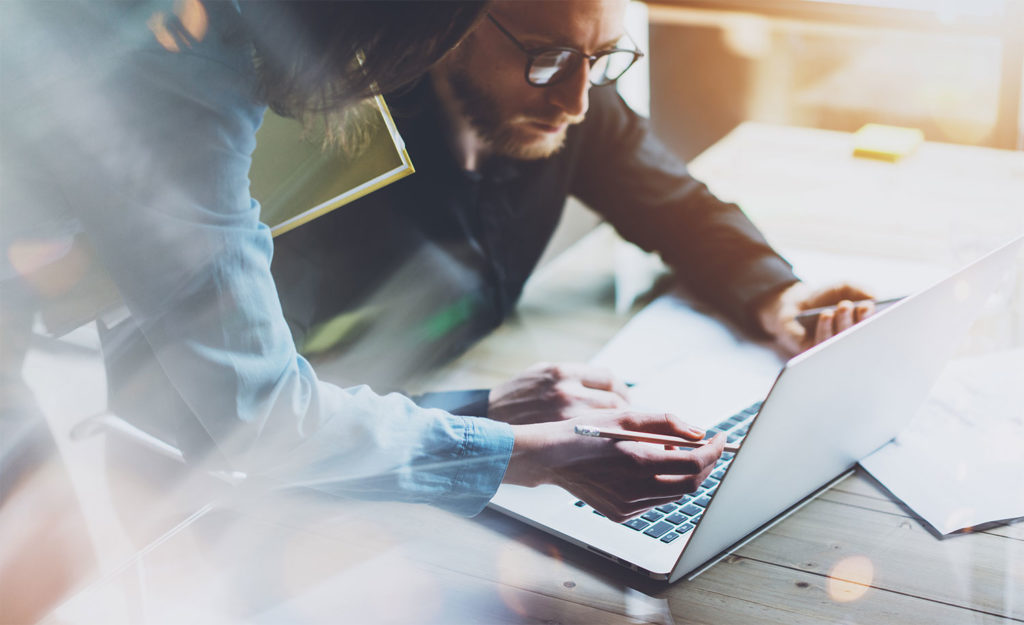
(130, 128)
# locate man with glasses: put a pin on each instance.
(517, 118)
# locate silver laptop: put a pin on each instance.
(828, 408)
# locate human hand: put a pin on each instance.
(620, 479)
(554, 392)
(778, 315)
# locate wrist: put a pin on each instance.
(530, 463)
(770, 310)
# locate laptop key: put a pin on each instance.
(702, 501)
(579, 504)
(636, 524)
(695, 520)
(676, 518)
(709, 483)
(710, 433)
(652, 516)
(685, 527)
(658, 529)
(690, 509)
(667, 538)
(668, 508)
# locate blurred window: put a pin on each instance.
(951, 68)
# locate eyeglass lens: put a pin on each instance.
(552, 66)
(556, 65)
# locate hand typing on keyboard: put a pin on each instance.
(619, 479)
(667, 522)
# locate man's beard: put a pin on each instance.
(505, 137)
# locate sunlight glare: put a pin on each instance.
(850, 579)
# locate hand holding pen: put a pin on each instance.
(809, 318)
(619, 480)
(799, 318)
(646, 437)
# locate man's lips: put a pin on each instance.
(549, 127)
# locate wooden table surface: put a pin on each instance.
(853, 555)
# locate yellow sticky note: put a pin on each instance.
(886, 143)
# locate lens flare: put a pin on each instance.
(192, 14)
(516, 569)
(189, 24)
(51, 266)
(850, 579)
(29, 255)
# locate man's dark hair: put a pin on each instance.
(307, 50)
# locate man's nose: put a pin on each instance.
(572, 94)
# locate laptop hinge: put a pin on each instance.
(770, 524)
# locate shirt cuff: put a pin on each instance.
(761, 279)
(489, 444)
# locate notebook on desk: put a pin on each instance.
(828, 408)
(296, 178)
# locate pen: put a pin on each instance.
(644, 437)
(809, 318)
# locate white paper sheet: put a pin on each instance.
(960, 462)
(688, 363)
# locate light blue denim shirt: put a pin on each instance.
(147, 151)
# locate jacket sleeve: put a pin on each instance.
(628, 176)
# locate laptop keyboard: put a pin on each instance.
(670, 521)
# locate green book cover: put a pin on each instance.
(296, 178)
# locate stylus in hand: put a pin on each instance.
(809, 318)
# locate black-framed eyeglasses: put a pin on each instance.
(552, 64)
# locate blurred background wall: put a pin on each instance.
(952, 68)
